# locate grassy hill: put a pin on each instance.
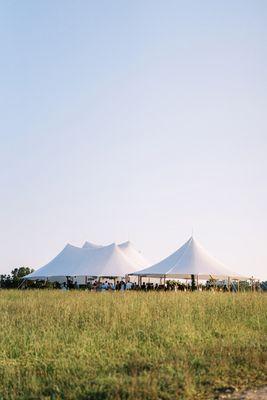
(80, 345)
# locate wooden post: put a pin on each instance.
(228, 283)
(238, 286)
(197, 282)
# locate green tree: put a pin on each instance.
(18, 273)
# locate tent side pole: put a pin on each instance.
(193, 282)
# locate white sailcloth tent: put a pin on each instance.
(190, 259)
(134, 255)
(92, 261)
(62, 265)
(90, 245)
(106, 261)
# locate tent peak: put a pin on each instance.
(190, 259)
(125, 244)
(110, 246)
(90, 245)
(71, 246)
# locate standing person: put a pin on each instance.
(129, 285)
(106, 285)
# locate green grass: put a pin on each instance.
(80, 345)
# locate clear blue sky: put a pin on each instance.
(135, 120)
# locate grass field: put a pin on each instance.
(80, 345)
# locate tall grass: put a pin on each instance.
(80, 345)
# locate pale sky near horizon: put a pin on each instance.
(133, 120)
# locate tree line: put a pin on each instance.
(13, 280)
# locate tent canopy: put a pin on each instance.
(189, 259)
(136, 256)
(61, 265)
(105, 261)
(92, 260)
(90, 245)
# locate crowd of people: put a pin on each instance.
(101, 286)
